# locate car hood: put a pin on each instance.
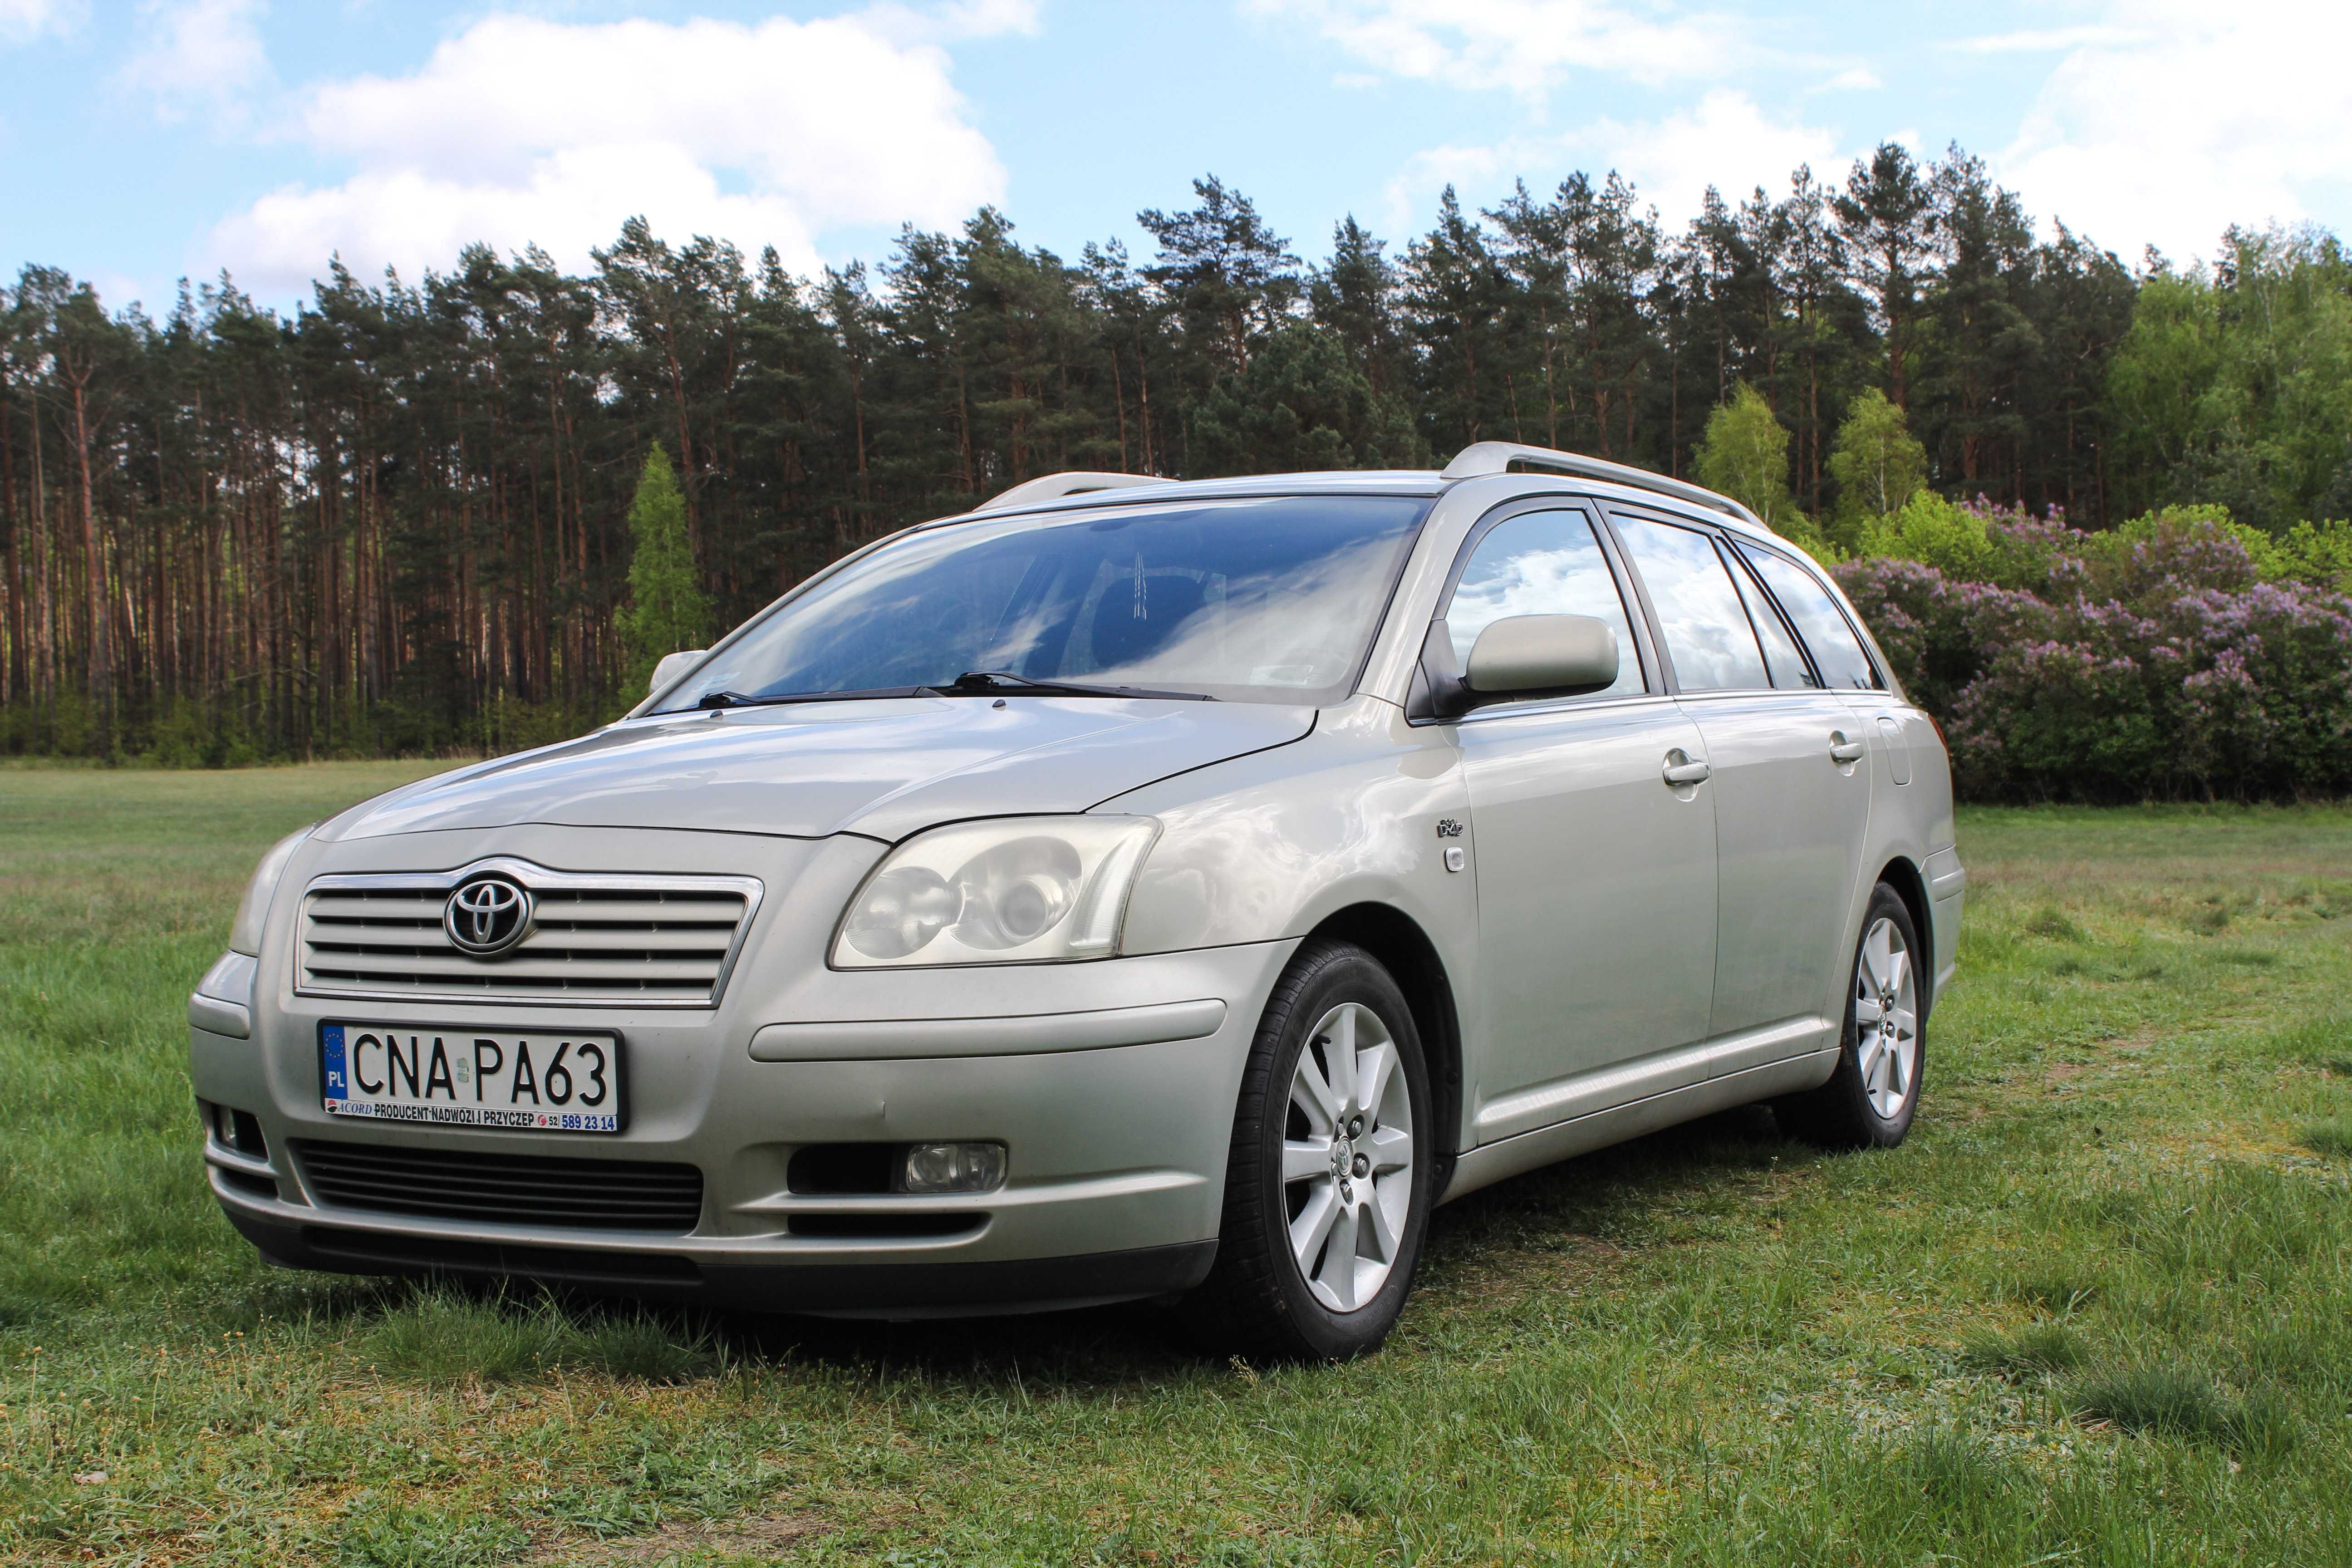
(884, 768)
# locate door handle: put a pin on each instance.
(1842, 751)
(1681, 770)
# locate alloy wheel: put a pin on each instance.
(1886, 1017)
(1347, 1157)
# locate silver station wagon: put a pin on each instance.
(1130, 889)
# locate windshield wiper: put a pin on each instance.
(710, 702)
(970, 683)
(982, 682)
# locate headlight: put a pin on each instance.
(244, 936)
(1023, 890)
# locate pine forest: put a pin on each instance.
(398, 519)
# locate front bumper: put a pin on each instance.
(736, 1277)
(1112, 1085)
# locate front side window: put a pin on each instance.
(1836, 649)
(1253, 600)
(1700, 618)
(1541, 563)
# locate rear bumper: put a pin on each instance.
(1948, 882)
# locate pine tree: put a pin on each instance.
(1356, 296)
(1232, 278)
(1888, 214)
(668, 611)
(1302, 405)
(1978, 345)
(1745, 454)
(1455, 294)
(1875, 463)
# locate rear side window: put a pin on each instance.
(1781, 655)
(1837, 652)
(1541, 563)
(1700, 618)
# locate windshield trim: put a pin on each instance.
(1142, 495)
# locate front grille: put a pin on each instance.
(645, 940)
(505, 1189)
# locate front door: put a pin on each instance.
(1596, 877)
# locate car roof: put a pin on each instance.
(1478, 460)
(1364, 481)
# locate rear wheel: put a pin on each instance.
(1327, 1182)
(1869, 1099)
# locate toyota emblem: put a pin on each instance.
(487, 915)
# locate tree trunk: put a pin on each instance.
(100, 667)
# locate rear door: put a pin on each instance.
(1790, 781)
(1845, 665)
(1596, 878)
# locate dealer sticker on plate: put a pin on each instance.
(541, 1082)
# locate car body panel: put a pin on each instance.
(1790, 826)
(1596, 895)
(884, 768)
(1116, 1145)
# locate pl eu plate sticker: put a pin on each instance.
(330, 1043)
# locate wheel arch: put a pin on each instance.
(1909, 885)
(1396, 938)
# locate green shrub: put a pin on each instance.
(2167, 658)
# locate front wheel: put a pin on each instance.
(1869, 1099)
(1328, 1183)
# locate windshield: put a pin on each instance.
(1261, 600)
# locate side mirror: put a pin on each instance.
(674, 665)
(1564, 655)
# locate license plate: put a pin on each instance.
(522, 1080)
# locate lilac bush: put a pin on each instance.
(2166, 659)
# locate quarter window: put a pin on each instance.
(1699, 615)
(1836, 650)
(1781, 655)
(1541, 563)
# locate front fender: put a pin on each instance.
(1269, 846)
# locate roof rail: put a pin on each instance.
(1484, 457)
(1077, 483)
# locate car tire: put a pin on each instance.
(1871, 1098)
(1289, 1284)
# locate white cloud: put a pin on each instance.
(951, 21)
(2210, 116)
(1724, 139)
(2046, 40)
(1853, 78)
(521, 129)
(22, 21)
(1527, 45)
(1728, 142)
(198, 54)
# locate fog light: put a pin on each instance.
(952, 1168)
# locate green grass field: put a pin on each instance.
(2096, 1310)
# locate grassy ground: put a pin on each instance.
(2094, 1312)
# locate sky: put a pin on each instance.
(142, 142)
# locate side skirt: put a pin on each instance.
(1509, 1157)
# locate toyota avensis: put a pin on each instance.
(1130, 889)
